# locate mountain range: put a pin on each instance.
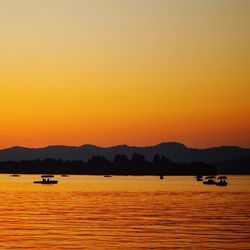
(176, 152)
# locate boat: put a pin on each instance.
(222, 181)
(107, 175)
(210, 180)
(64, 175)
(15, 175)
(199, 178)
(161, 177)
(46, 179)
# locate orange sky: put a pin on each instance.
(124, 72)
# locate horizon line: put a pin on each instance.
(118, 145)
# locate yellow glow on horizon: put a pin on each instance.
(134, 72)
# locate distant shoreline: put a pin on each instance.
(99, 165)
(176, 159)
(122, 175)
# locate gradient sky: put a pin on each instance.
(135, 72)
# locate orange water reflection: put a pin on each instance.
(93, 212)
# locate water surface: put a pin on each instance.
(93, 212)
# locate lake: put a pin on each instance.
(93, 212)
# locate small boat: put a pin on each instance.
(46, 179)
(161, 177)
(199, 178)
(210, 180)
(222, 181)
(15, 175)
(64, 175)
(107, 175)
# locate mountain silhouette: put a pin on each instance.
(174, 151)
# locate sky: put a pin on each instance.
(136, 72)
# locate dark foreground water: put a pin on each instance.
(93, 212)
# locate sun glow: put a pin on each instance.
(135, 72)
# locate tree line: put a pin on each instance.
(99, 165)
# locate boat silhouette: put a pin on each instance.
(15, 175)
(46, 179)
(199, 178)
(210, 180)
(222, 181)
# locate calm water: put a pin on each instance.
(93, 212)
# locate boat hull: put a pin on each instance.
(209, 182)
(45, 182)
(221, 184)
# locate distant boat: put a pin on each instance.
(64, 175)
(199, 178)
(222, 181)
(161, 177)
(210, 180)
(15, 175)
(46, 179)
(107, 175)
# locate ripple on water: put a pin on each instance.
(155, 219)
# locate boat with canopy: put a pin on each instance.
(210, 180)
(221, 181)
(46, 179)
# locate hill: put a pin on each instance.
(174, 151)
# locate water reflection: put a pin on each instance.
(93, 212)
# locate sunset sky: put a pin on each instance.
(135, 72)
